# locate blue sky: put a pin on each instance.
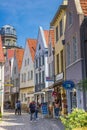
(27, 15)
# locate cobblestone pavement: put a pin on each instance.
(11, 121)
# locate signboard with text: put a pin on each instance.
(49, 79)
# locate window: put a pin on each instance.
(74, 49)
(22, 78)
(28, 61)
(14, 32)
(61, 28)
(15, 70)
(57, 59)
(28, 76)
(22, 97)
(56, 33)
(61, 53)
(46, 53)
(70, 18)
(42, 76)
(39, 47)
(50, 50)
(36, 63)
(36, 78)
(31, 74)
(43, 60)
(7, 30)
(50, 70)
(8, 42)
(39, 61)
(68, 54)
(17, 82)
(25, 62)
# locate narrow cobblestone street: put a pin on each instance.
(17, 122)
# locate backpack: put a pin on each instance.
(18, 105)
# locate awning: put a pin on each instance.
(39, 93)
(47, 90)
(30, 95)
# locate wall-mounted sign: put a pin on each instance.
(68, 84)
(59, 77)
(49, 79)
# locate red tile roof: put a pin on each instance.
(19, 56)
(51, 35)
(10, 53)
(32, 43)
(2, 59)
(84, 6)
(46, 35)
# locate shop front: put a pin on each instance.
(69, 85)
(49, 100)
(59, 93)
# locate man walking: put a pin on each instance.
(19, 107)
(32, 109)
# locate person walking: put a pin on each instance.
(19, 107)
(56, 108)
(32, 109)
(16, 107)
(36, 110)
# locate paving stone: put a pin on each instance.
(11, 121)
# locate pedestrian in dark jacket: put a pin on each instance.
(19, 107)
(32, 109)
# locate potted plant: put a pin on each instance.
(77, 120)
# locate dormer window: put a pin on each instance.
(39, 47)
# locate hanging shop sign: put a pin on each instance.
(54, 93)
(68, 84)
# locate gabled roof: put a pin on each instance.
(51, 35)
(10, 53)
(2, 59)
(19, 57)
(46, 35)
(84, 6)
(32, 43)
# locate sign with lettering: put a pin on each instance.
(59, 77)
(49, 79)
(68, 84)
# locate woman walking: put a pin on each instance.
(56, 108)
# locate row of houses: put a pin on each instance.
(57, 55)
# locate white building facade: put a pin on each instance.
(27, 73)
(41, 66)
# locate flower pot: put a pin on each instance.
(83, 128)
